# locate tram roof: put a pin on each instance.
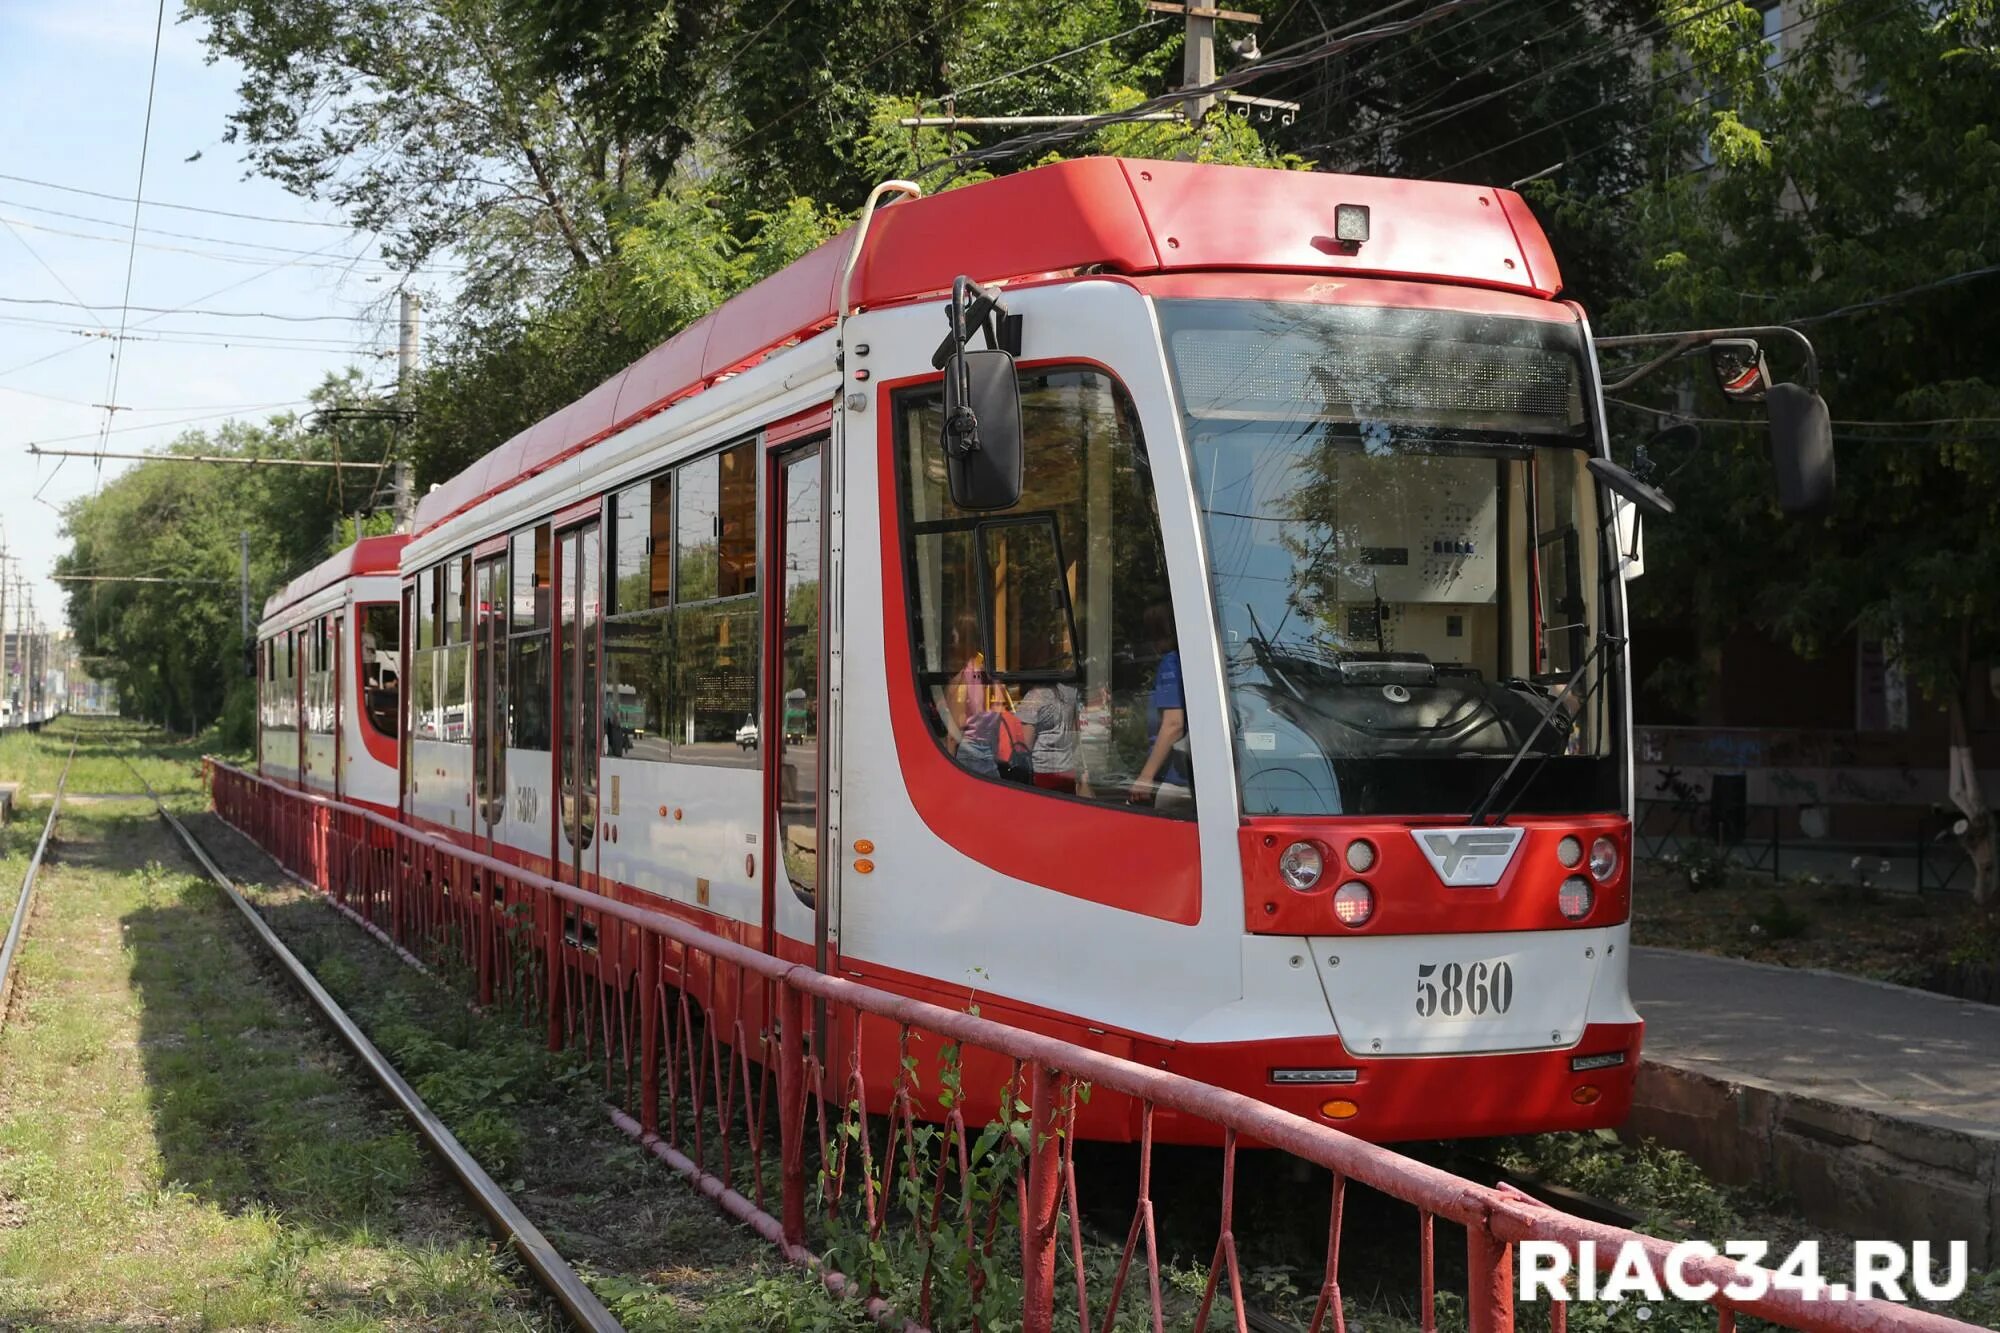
(370, 555)
(1115, 215)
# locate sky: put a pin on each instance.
(74, 112)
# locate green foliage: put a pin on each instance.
(1779, 920)
(174, 650)
(1663, 1186)
(1866, 165)
(1704, 864)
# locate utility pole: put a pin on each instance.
(1198, 59)
(6, 681)
(406, 369)
(243, 586)
(1198, 49)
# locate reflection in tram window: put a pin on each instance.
(440, 706)
(712, 689)
(525, 677)
(680, 668)
(528, 691)
(642, 543)
(1037, 630)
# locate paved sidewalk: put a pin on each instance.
(1885, 1049)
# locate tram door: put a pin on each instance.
(336, 679)
(576, 745)
(489, 694)
(792, 705)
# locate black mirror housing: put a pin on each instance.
(983, 453)
(1801, 449)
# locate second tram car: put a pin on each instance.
(1220, 666)
(329, 653)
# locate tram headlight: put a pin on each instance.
(1354, 903)
(1300, 865)
(1361, 856)
(1575, 898)
(1570, 851)
(1603, 859)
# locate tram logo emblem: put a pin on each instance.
(1468, 858)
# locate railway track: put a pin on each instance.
(541, 1259)
(18, 925)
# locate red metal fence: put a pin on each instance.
(925, 1158)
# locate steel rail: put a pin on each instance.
(19, 924)
(550, 1269)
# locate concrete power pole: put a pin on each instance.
(243, 602)
(406, 369)
(6, 681)
(1198, 58)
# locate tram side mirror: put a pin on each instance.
(1650, 500)
(1739, 369)
(1801, 449)
(983, 453)
(1632, 499)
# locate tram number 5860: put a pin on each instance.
(1454, 990)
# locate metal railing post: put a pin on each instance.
(1038, 1206)
(552, 965)
(1489, 1280)
(792, 1113)
(649, 1032)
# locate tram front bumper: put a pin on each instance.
(1587, 1085)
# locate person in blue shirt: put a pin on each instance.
(1164, 780)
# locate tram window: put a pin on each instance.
(638, 654)
(736, 532)
(456, 627)
(716, 525)
(642, 526)
(423, 697)
(454, 676)
(426, 610)
(697, 530)
(531, 579)
(1047, 627)
(528, 691)
(712, 684)
(381, 643)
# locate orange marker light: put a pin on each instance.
(864, 866)
(863, 847)
(1586, 1095)
(1339, 1109)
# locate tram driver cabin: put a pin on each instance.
(1149, 705)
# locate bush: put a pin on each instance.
(1704, 865)
(1779, 920)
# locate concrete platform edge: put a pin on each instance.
(1848, 1169)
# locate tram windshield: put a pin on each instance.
(1407, 556)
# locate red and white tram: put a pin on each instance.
(1252, 708)
(328, 655)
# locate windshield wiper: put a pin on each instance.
(1267, 655)
(1534, 733)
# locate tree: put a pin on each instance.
(1849, 188)
(174, 650)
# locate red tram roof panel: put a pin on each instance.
(370, 555)
(1110, 214)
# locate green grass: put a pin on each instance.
(103, 745)
(180, 1143)
(656, 1252)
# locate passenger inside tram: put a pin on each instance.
(1030, 624)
